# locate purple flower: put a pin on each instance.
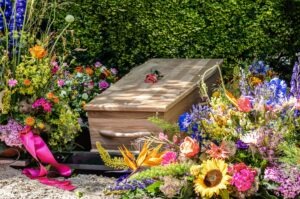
(9, 133)
(241, 145)
(60, 82)
(103, 84)
(12, 82)
(286, 180)
(98, 64)
(114, 71)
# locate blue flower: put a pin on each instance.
(259, 68)
(279, 91)
(184, 121)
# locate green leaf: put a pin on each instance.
(224, 194)
(153, 188)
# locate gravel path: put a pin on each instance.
(14, 185)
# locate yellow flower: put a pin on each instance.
(41, 125)
(195, 170)
(212, 178)
(255, 81)
(38, 52)
(29, 121)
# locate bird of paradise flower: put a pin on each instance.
(146, 158)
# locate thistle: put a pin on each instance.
(116, 163)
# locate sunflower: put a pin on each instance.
(212, 177)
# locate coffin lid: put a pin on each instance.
(131, 93)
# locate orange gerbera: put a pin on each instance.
(29, 121)
(218, 152)
(38, 52)
(27, 82)
(89, 71)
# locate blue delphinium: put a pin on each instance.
(279, 89)
(6, 6)
(18, 15)
(189, 122)
(259, 68)
(295, 81)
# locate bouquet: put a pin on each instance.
(30, 70)
(242, 145)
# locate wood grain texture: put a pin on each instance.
(124, 108)
(181, 77)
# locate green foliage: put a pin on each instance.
(126, 33)
(116, 163)
(164, 125)
(291, 153)
(160, 171)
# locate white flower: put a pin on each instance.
(250, 138)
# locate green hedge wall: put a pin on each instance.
(125, 33)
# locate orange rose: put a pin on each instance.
(29, 121)
(38, 52)
(89, 71)
(189, 147)
(27, 82)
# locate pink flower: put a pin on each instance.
(12, 82)
(218, 152)
(103, 84)
(190, 147)
(169, 157)
(243, 176)
(60, 82)
(162, 136)
(47, 107)
(42, 102)
(244, 104)
(54, 69)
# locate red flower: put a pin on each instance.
(244, 104)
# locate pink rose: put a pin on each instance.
(189, 147)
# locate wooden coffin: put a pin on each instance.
(119, 115)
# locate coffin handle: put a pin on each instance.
(112, 134)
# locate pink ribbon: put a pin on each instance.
(36, 146)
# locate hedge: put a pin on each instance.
(125, 33)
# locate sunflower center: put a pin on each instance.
(213, 178)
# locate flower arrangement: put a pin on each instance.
(244, 145)
(81, 85)
(28, 98)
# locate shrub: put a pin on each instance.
(128, 32)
